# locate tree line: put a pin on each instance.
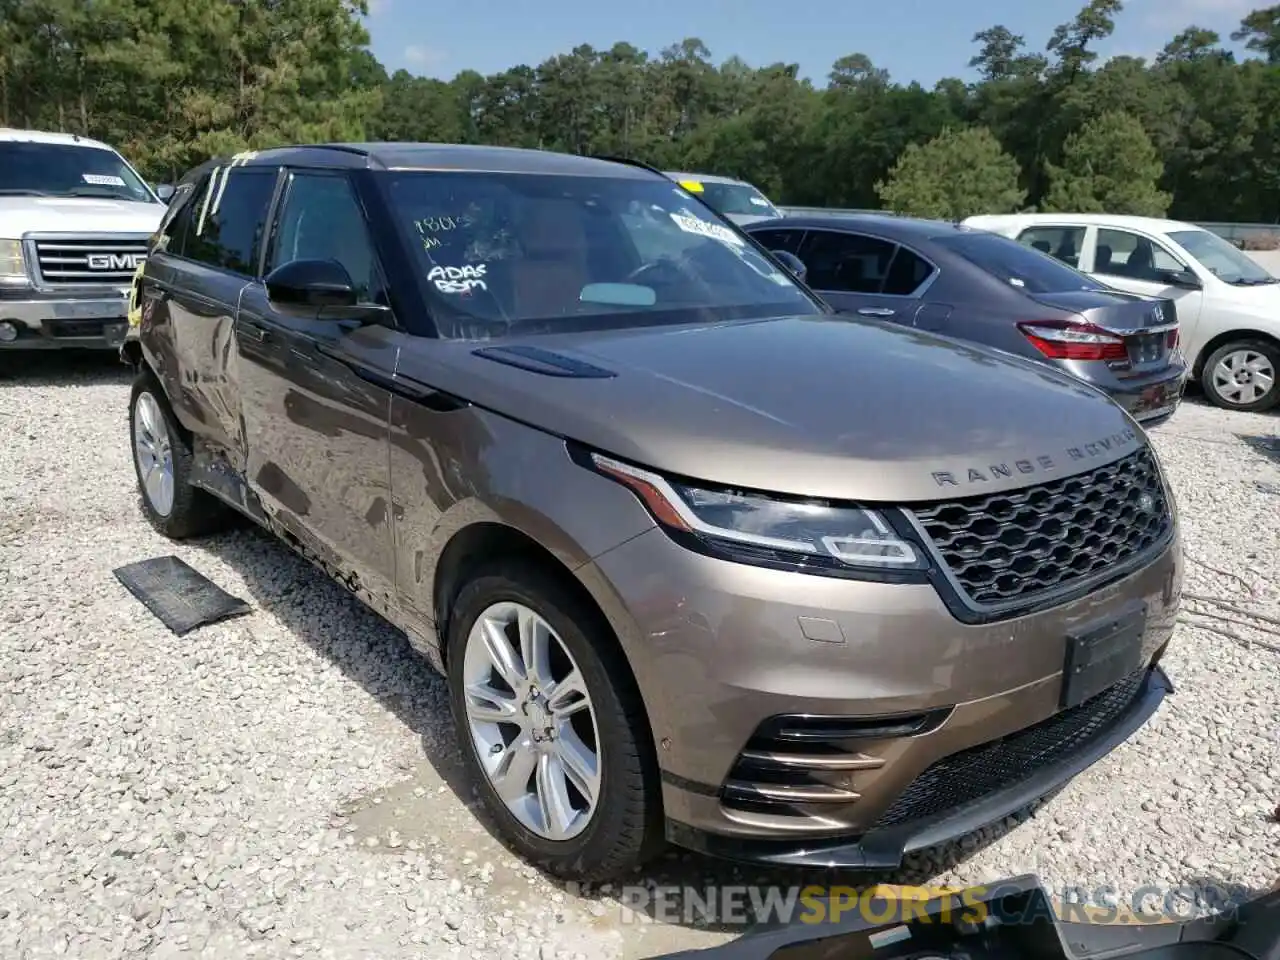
(1046, 124)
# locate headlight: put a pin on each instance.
(13, 266)
(757, 527)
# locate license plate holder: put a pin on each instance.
(1102, 653)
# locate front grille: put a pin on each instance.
(980, 771)
(88, 261)
(1015, 546)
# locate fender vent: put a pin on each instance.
(545, 362)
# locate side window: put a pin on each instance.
(231, 218)
(788, 240)
(907, 272)
(1064, 243)
(321, 219)
(1120, 253)
(845, 262)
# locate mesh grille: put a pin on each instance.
(1014, 546)
(979, 771)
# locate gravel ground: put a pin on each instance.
(285, 784)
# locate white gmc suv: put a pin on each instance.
(74, 223)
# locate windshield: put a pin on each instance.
(1017, 265)
(1222, 259)
(521, 253)
(66, 170)
(737, 198)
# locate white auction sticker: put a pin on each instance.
(704, 229)
(102, 179)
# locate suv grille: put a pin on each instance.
(1014, 546)
(88, 261)
(979, 771)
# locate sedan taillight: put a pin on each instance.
(1060, 340)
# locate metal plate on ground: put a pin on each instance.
(180, 597)
(1102, 653)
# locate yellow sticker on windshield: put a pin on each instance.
(693, 186)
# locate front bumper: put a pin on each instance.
(95, 321)
(722, 650)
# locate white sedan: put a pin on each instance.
(1228, 305)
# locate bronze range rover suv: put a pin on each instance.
(688, 566)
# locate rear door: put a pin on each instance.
(865, 275)
(315, 406)
(194, 278)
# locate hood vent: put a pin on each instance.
(545, 362)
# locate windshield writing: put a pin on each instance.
(1221, 258)
(62, 170)
(506, 253)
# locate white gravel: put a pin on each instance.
(286, 784)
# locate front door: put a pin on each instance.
(1139, 264)
(316, 415)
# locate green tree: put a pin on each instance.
(1109, 166)
(1260, 32)
(958, 174)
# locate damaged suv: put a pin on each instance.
(648, 504)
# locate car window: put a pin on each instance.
(907, 271)
(1064, 243)
(321, 219)
(737, 198)
(230, 218)
(171, 235)
(845, 262)
(502, 253)
(1015, 264)
(1120, 253)
(67, 170)
(1221, 258)
(788, 240)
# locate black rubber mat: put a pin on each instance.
(181, 597)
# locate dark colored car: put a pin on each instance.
(639, 497)
(974, 285)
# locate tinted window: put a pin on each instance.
(846, 262)
(907, 271)
(1017, 265)
(322, 220)
(1120, 253)
(63, 170)
(230, 219)
(1064, 243)
(506, 253)
(788, 240)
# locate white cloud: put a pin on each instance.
(1221, 15)
(377, 6)
(419, 56)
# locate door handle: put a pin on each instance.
(876, 311)
(254, 332)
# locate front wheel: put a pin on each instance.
(551, 727)
(162, 464)
(1243, 376)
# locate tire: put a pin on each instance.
(1262, 353)
(189, 511)
(625, 828)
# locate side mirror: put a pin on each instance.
(1185, 279)
(312, 284)
(165, 192)
(793, 263)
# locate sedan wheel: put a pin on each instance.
(153, 454)
(1242, 376)
(532, 721)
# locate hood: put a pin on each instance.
(814, 406)
(742, 219)
(1262, 300)
(22, 215)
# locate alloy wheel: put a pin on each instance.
(531, 719)
(153, 453)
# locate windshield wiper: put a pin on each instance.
(1254, 281)
(105, 193)
(23, 192)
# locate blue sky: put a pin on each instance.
(920, 40)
